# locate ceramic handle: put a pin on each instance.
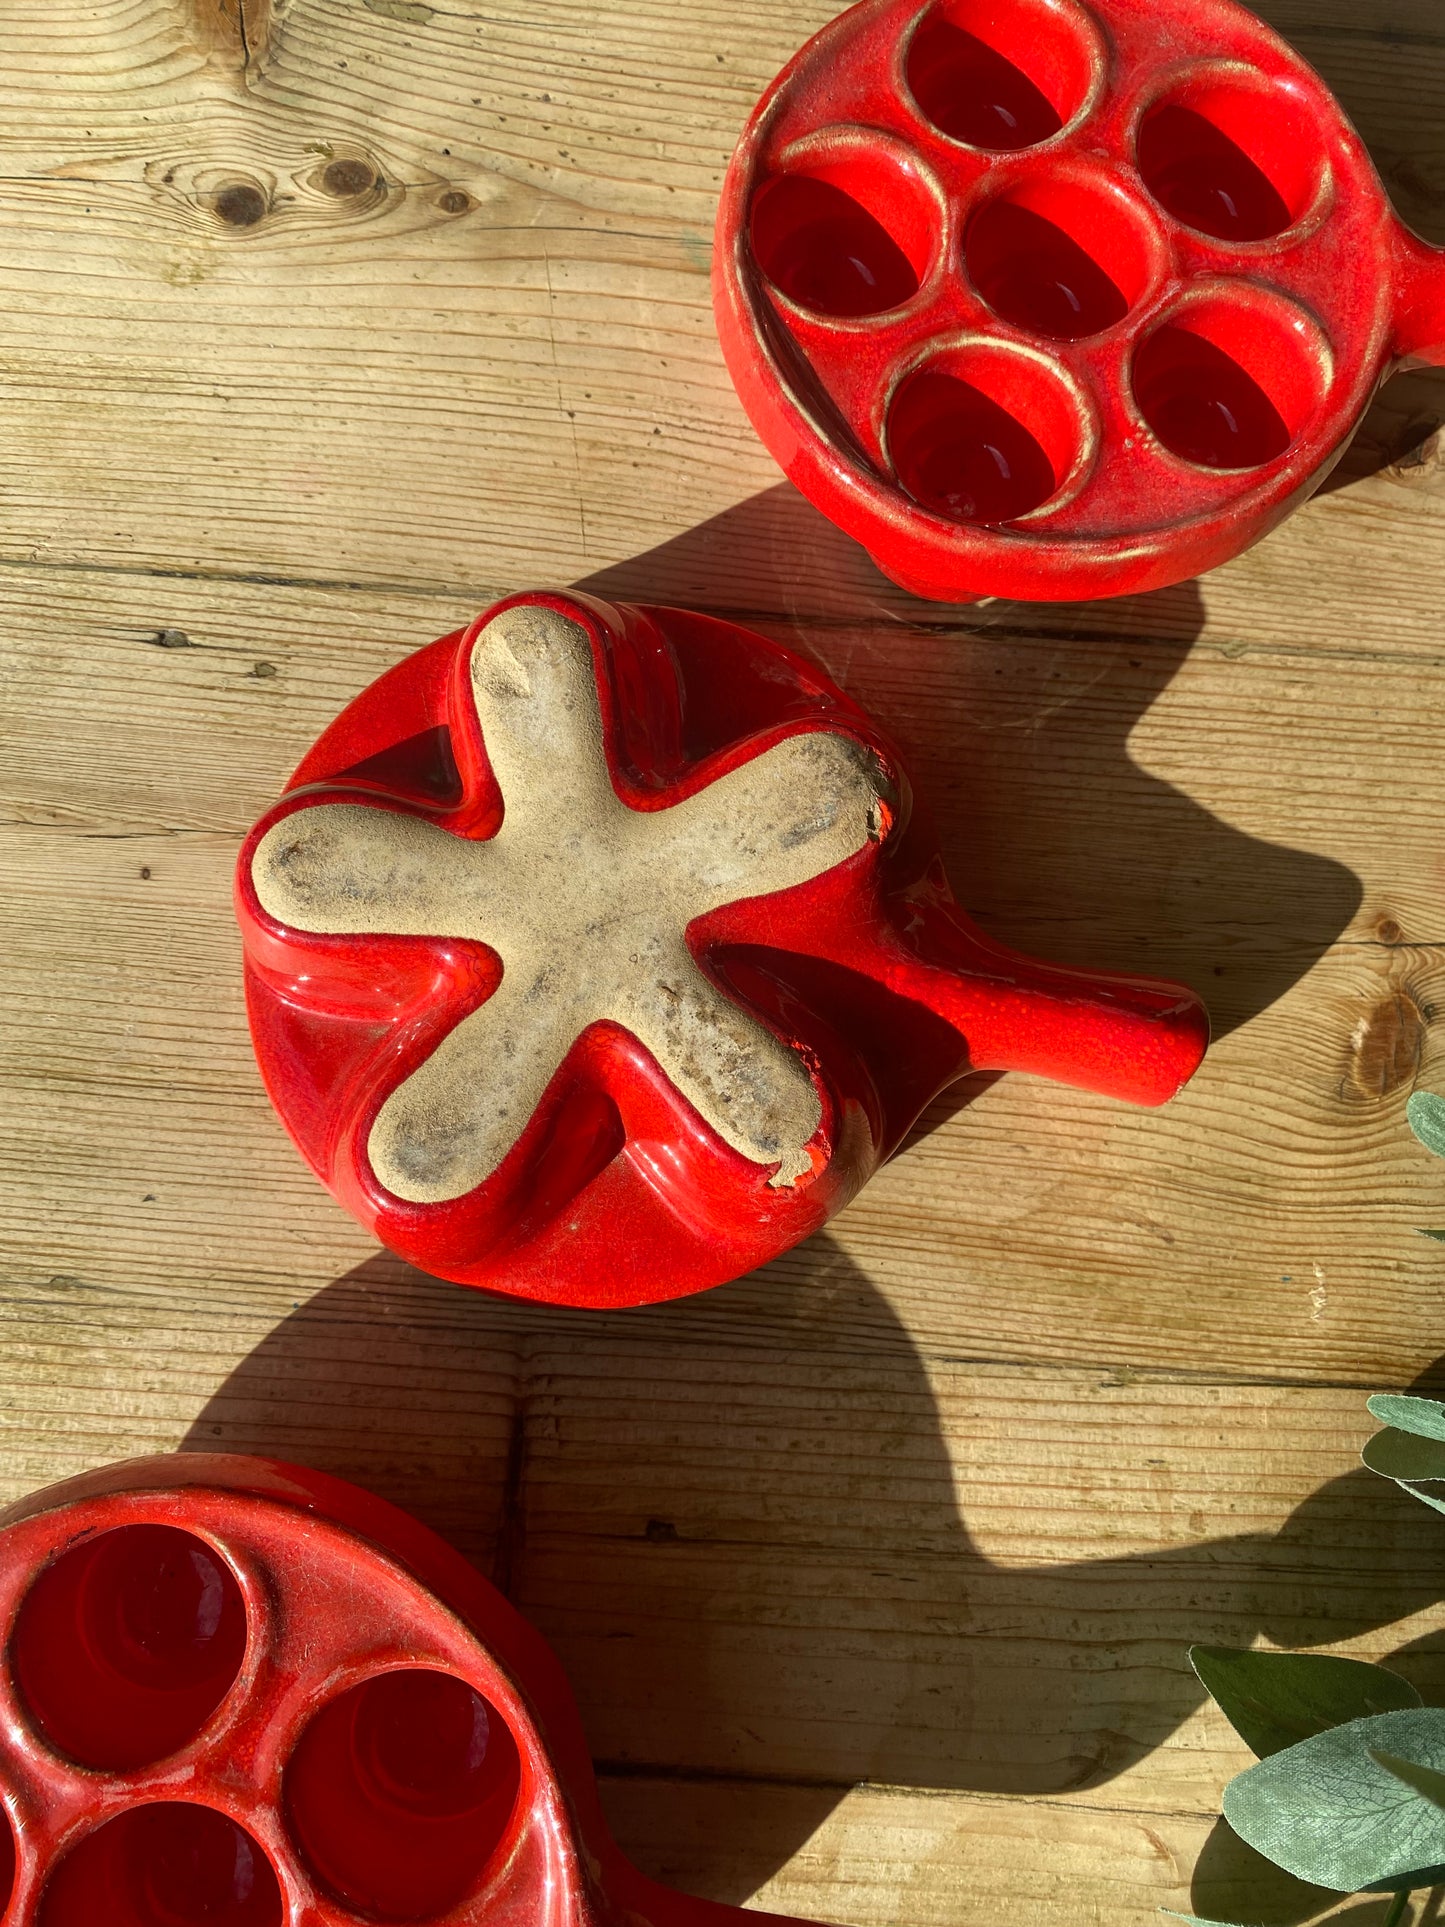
(1130, 1037)
(1420, 322)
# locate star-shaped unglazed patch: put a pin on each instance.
(586, 901)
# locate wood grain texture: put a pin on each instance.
(324, 323)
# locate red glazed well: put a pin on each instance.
(598, 955)
(380, 1738)
(1055, 300)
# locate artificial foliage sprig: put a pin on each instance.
(1348, 1792)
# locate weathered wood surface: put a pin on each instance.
(321, 325)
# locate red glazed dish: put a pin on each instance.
(1055, 300)
(235, 1693)
(598, 955)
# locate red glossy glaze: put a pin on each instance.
(617, 1192)
(1050, 299)
(392, 1743)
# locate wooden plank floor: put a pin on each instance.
(323, 324)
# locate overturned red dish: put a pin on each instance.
(599, 954)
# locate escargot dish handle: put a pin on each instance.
(1135, 1038)
(1420, 303)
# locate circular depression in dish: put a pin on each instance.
(1230, 379)
(1002, 74)
(849, 228)
(168, 1865)
(1236, 157)
(401, 1793)
(846, 228)
(127, 1644)
(1060, 256)
(985, 433)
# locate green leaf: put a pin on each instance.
(1426, 1113)
(1274, 1700)
(1425, 1417)
(1438, 1236)
(1405, 1455)
(1328, 1812)
(1417, 1492)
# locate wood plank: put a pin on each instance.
(956, 1862)
(1313, 934)
(960, 1861)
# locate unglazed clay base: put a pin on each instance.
(586, 901)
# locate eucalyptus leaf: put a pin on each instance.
(1426, 1113)
(1405, 1455)
(1425, 1417)
(1438, 1236)
(1418, 1492)
(1328, 1812)
(1274, 1700)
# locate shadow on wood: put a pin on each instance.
(736, 1518)
(1400, 437)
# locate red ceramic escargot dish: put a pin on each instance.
(598, 955)
(1050, 299)
(235, 1693)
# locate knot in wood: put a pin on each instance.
(1388, 1045)
(242, 204)
(348, 178)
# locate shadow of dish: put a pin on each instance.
(1015, 720)
(735, 1517)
